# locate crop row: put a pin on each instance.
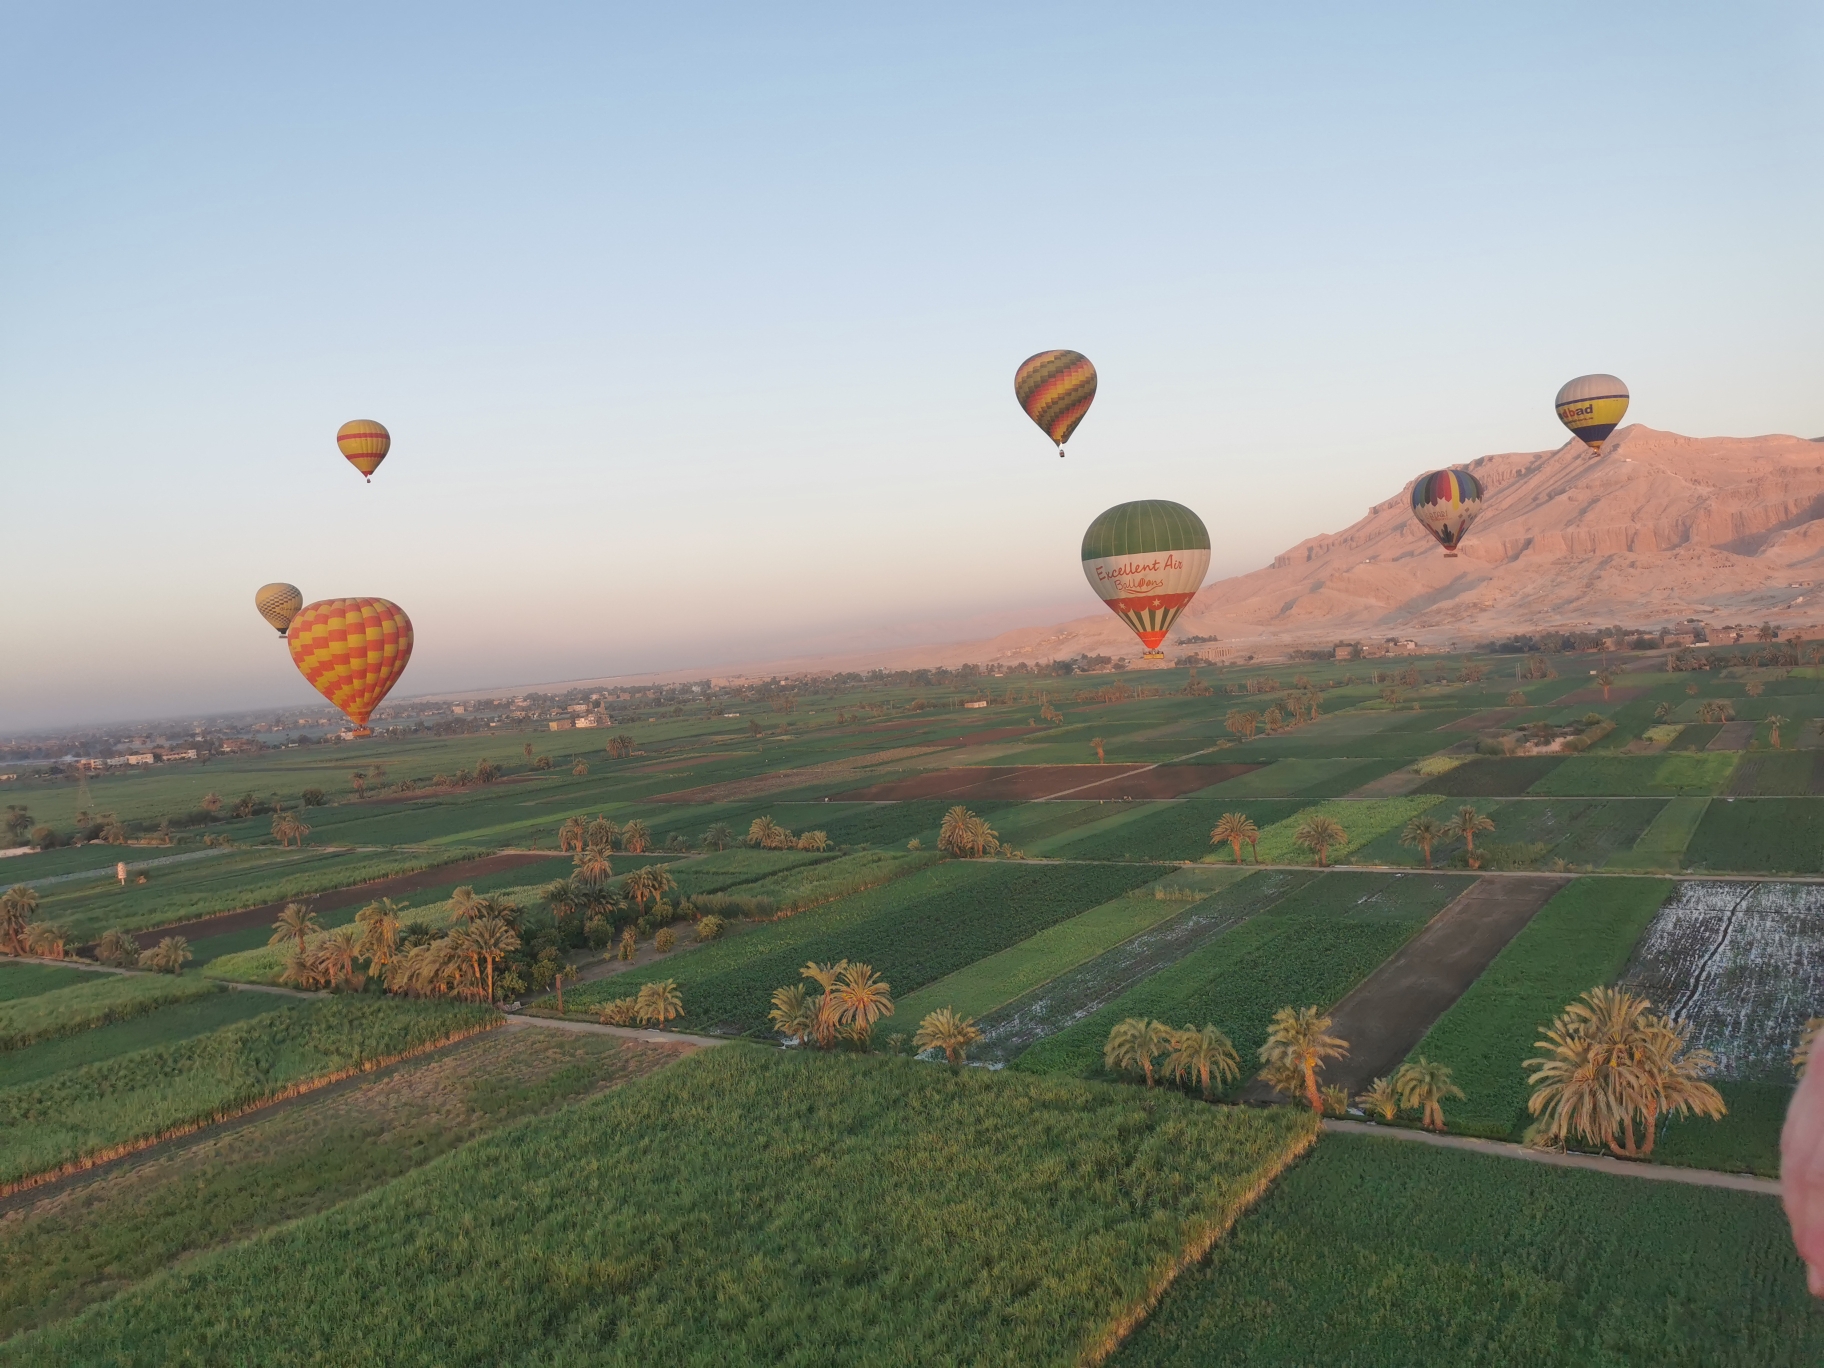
(101, 998)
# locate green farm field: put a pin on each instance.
(757, 1203)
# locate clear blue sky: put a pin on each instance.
(695, 326)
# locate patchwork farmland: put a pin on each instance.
(446, 1008)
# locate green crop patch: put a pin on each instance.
(1604, 775)
(101, 998)
(28, 980)
(1580, 939)
(792, 890)
(1296, 778)
(1308, 950)
(1360, 821)
(913, 932)
(74, 1248)
(1772, 774)
(165, 1025)
(1662, 845)
(1764, 835)
(741, 1206)
(1174, 831)
(83, 1111)
(1379, 1253)
(730, 868)
(1493, 777)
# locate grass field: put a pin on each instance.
(740, 1206)
(913, 932)
(76, 1247)
(1173, 831)
(103, 998)
(1376, 1253)
(90, 1109)
(1663, 844)
(989, 982)
(1580, 939)
(1297, 778)
(792, 890)
(1362, 821)
(1486, 777)
(1646, 775)
(1770, 835)
(28, 980)
(165, 1026)
(1310, 949)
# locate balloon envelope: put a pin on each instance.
(1446, 503)
(352, 650)
(1592, 407)
(1056, 389)
(1146, 560)
(278, 604)
(365, 443)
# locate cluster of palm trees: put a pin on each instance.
(966, 835)
(656, 1005)
(945, 1030)
(1151, 1048)
(1420, 1084)
(599, 833)
(1291, 711)
(619, 746)
(1612, 1069)
(458, 963)
(167, 957)
(20, 931)
(763, 833)
(288, 827)
(1426, 831)
(1713, 711)
(850, 1000)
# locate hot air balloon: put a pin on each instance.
(352, 650)
(278, 604)
(1147, 561)
(365, 443)
(1592, 406)
(1446, 502)
(1056, 389)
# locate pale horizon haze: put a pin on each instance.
(695, 326)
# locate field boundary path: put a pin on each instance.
(1389, 1012)
(1598, 1163)
(649, 1037)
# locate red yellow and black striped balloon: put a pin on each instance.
(1056, 389)
(365, 443)
(352, 650)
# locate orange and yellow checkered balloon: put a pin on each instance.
(352, 650)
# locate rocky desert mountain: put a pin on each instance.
(1657, 529)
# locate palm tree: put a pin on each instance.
(295, 923)
(766, 834)
(570, 834)
(1319, 834)
(953, 831)
(563, 897)
(1298, 1043)
(861, 998)
(1605, 679)
(593, 865)
(1427, 1086)
(824, 1022)
(1096, 743)
(118, 949)
(18, 906)
(1775, 721)
(566, 970)
(168, 956)
(1243, 722)
(491, 940)
(212, 804)
(814, 840)
(659, 1003)
(604, 833)
(718, 837)
(636, 838)
(1662, 711)
(1203, 1054)
(1516, 699)
(1611, 1062)
(1808, 1039)
(794, 1012)
(465, 906)
(379, 922)
(46, 941)
(335, 957)
(945, 1030)
(1466, 823)
(1234, 827)
(1424, 831)
(1134, 1044)
(1382, 1098)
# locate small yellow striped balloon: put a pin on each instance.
(365, 443)
(278, 604)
